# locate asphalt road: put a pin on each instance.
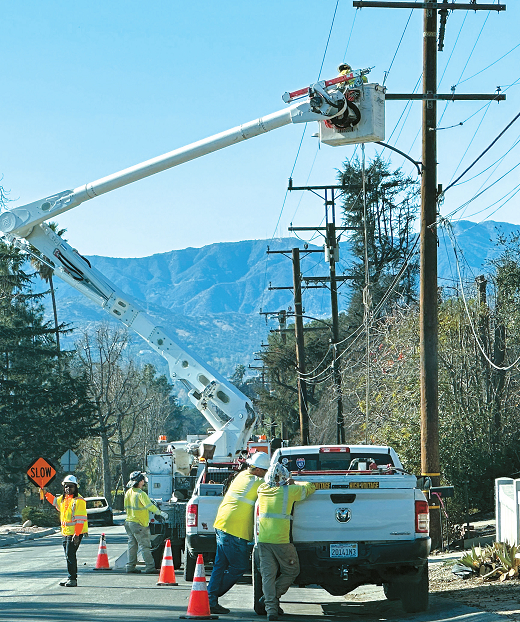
(29, 592)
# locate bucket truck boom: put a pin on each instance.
(227, 410)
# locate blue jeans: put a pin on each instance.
(231, 562)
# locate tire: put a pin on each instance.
(392, 591)
(257, 584)
(414, 595)
(177, 556)
(189, 566)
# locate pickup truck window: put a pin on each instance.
(336, 461)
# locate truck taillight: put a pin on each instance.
(192, 515)
(422, 517)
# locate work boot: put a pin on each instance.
(64, 581)
(261, 601)
(219, 609)
(71, 583)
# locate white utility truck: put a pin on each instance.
(348, 112)
(367, 523)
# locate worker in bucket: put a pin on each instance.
(74, 525)
(138, 507)
(276, 498)
(344, 69)
(234, 530)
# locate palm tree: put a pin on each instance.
(45, 272)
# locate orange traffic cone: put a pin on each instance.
(198, 605)
(167, 576)
(102, 558)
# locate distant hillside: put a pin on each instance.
(209, 298)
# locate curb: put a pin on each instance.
(23, 537)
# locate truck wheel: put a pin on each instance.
(189, 566)
(177, 555)
(257, 585)
(392, 591)
(414, 596)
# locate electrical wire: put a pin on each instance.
(387, 72)
(482, 154)
(486, 68)
(328, 39)
(468, 315)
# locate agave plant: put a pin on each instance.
(498, 561)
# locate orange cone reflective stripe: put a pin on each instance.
(102, 558)
(198, 605)
(167, 576)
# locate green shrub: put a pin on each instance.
(41, 517)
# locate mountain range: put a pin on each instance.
(209, 299)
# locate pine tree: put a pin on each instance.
(44, 409)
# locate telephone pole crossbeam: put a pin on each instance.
(452, 6)
(499, 97)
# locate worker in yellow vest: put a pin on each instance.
(74, 525)
(234, 530)
(138, 507)
(276, 498)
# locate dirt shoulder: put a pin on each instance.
(493, 596)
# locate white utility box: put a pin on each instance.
(371, 127)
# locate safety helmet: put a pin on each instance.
(344, 67)
(136, 477)
(259, 460)
(69, 479)
(277, 475)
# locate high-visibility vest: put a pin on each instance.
(138, 507)
(235, 513)
(73, 511)
(275, 505)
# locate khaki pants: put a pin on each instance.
(139, 538)
(274, 557)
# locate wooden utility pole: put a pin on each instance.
(331, 247)
(430, 464)
(300, 348)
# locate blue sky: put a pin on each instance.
(91, 88)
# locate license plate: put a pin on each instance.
(322, 485)
(363, 485)
(344, 551)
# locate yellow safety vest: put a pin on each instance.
(275, 505)
(235, 513)
(73, 511)
(138, 507)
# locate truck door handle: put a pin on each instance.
(342, 498)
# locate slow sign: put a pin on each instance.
(41, 472)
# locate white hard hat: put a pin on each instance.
(136, 477)
(69, 479)
(259, 459)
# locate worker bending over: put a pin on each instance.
(74, 525)
(276, 498)
(234, 530)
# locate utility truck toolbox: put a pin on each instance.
(367, 523)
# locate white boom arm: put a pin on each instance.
(227, 410)
(318, 105)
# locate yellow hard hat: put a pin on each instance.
(344, 67)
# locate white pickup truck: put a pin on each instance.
(367, 523)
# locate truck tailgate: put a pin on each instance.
(361, 513)
(207, 513)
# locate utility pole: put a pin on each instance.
(430, 464)
(300, 348)
(331, 248)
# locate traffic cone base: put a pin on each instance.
(102, 558)
(198, 605)
(167, 575)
